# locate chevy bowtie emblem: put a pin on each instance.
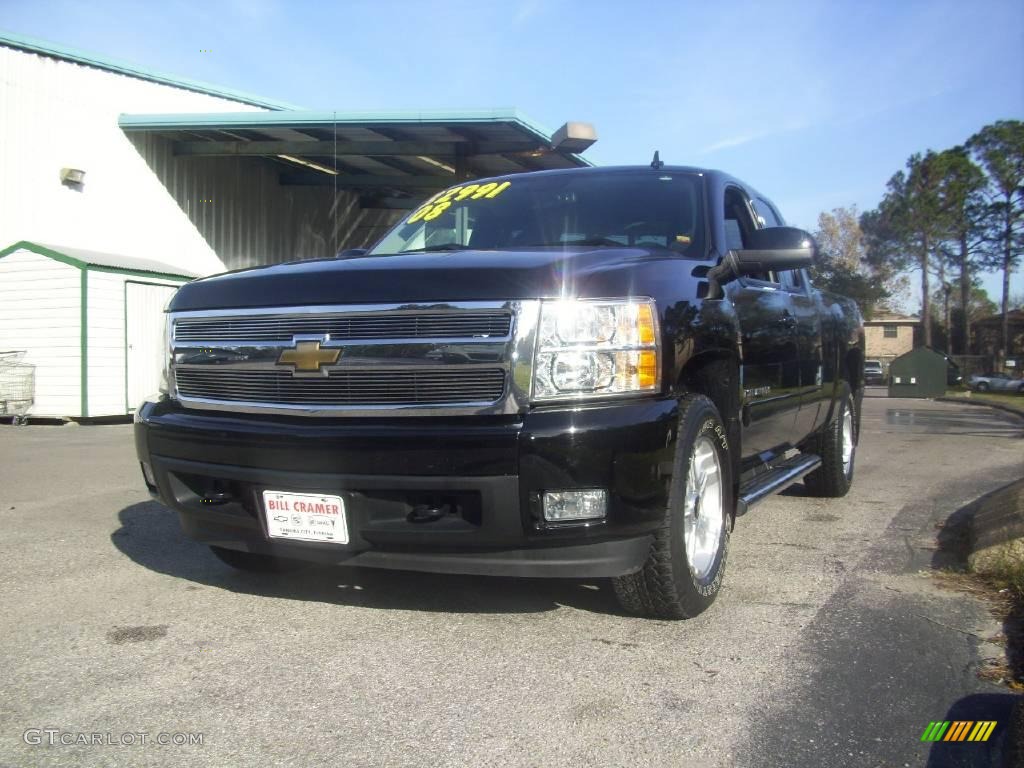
(307, 356)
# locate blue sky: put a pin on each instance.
(815, 103)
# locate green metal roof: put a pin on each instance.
(500, 140)
(298, 118)
(44, 48)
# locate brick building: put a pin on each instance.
(888, 335)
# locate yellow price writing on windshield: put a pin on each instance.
(441, 202)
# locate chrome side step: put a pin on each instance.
(783, 474)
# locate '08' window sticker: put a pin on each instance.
(441, 202)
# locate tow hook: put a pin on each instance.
(427, 513)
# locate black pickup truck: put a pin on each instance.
(584, 373)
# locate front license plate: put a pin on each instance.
(305, 517)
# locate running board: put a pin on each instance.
(783, 474)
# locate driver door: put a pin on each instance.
(770, 368)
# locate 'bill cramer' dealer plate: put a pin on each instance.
(305, 517)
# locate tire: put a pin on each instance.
(835, 475)
(254, 562)
(669, 585)
(982, 386)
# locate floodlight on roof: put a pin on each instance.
(574, 137)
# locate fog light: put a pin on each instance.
(561, 506)
(147, 474)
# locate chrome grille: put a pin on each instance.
(344, 388)
(341, 326)
(438, 358)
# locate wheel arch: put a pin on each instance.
(715, 373)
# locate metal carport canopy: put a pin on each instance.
(405, 154)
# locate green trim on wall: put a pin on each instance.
(45, 48)
(84, 328)
(42, 250)
(83, 298)
(139, 273)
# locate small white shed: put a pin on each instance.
(91, 323)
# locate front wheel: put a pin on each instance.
(683, 572)
(837, 446)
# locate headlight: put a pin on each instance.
(594, 348)
(165, 371)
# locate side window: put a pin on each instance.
(766, 213)
(792, 279)
(739, 223)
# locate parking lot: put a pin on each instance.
(830, 644)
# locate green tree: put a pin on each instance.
(907, 228)
(962, 211)
(841, 266)
(999, 148)
(979, 305)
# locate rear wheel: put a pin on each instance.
(837, 446)
(982, 386)
(254, 562)
(684, 570)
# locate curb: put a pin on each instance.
(966, 401)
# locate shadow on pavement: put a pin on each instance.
(150, 536)
(1002, 750)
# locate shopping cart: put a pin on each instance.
(17, 387)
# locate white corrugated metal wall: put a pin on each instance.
(249, 219)
(203, 215)
(40, 313)
(60, 114)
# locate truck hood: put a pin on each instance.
(441, 276)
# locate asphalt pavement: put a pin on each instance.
(831, 644)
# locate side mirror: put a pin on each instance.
(775, 248)
(772, 249)
(351, 253)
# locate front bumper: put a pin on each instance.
(488, 474)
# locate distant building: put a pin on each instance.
(888, 335)
(988, 336)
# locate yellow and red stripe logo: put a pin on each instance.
(959, 730)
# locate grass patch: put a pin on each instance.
(1006, 571)
(997, 577)
(1000, 398)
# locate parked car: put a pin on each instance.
(582, 373)
(873, 374)
(996, 382)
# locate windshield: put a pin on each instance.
(644, 208)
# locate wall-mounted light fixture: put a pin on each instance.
(72, 177)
